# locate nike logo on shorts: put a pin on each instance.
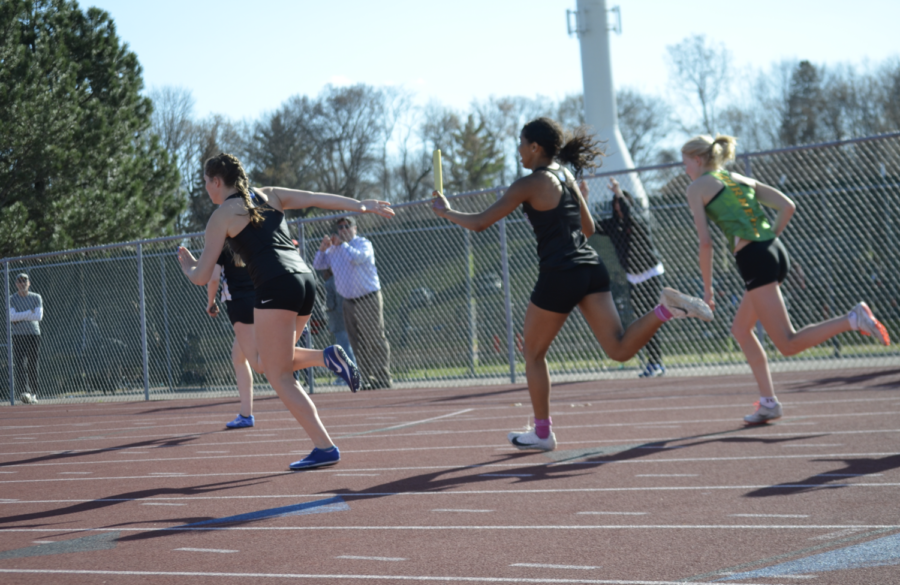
(264, 302)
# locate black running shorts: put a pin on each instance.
(561, 291)
(240, 310)
(291, 292)
(762, 263)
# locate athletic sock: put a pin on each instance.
(768, 402)
(662, 312)
(854, 321)
(542, 427)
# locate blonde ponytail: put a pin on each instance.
(714, 152)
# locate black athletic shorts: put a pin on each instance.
(561, 291)
(240, 310)
(291, 292)
(762, 263)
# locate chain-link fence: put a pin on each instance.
(121, 321)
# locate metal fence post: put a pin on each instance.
(507, 300)
(165, 304)
(143, 303)
(472, 338)
(307, 332)
(9, 348)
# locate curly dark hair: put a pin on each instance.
(578, 149)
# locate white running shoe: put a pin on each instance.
(529, 440)
(867, 324)
(682, 305)
(763, 414)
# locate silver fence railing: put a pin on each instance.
(121, 321)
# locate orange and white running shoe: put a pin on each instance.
(867, 324)
(763, 414)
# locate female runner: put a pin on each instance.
(284, 285)
(732, 202)
(571, 272)
(230, 274)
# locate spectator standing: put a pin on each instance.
(351, 259)
(629, 231)
(26, 309)
(334, 309)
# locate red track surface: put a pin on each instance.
(654, 482)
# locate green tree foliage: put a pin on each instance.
(474, 157)
(800, 124)
(78, 166)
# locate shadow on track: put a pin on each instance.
(126, 497)
(64, 455)
(614, 453)
(850, 380)
(852, 468)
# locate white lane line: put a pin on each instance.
(212, 452)
(7, 501)
(615, 513)
(667, 475)
(833, 535)
(815, 445)
(505, 474)
(507, 492)
(770, 515)
(511, 465)
(43, 541)
(543, 566)
(405, 425)
(193, 422)
(574, 527)
(357, 474)
(346, 577)
(161, 504)
(459, 510)
(75, 472)
(356, 558)
(212, 550)
(167, 473)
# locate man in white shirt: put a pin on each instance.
(351, 259)
(26, 309)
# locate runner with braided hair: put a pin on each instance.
(255, 226)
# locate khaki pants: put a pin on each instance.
(364, 319)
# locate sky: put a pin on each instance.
(244, 59)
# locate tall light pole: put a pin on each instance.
(592, 28)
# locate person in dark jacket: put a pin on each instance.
(629, 231)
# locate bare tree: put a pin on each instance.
(349, 126)
(645, 122)
(700, 74)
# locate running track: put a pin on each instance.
(654, 482)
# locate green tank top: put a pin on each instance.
(737, 212)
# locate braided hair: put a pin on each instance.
(228, 168)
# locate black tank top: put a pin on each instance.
(235, 280)
(561, 245)
(267, 250)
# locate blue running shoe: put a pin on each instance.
(318, 458)
(652, 371)
(340, 363)
(241, 422)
